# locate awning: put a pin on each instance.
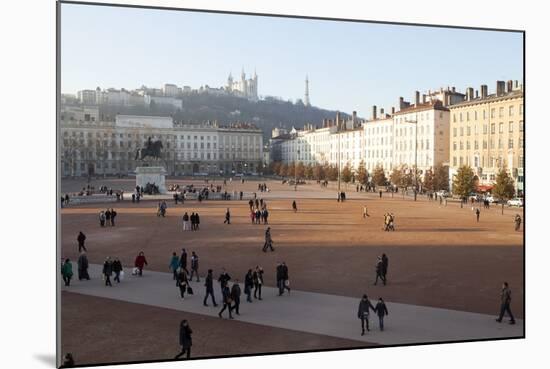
(484, 188)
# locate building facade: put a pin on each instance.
(487, 133)
(90, 146)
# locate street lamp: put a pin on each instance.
(415, 122)
(295, 170)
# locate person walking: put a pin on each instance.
(248, 284)
(224, 279)
(236, 296)
(185, 340)
(517, 221)
(194, 266)
(365, 212)
(81, 238)
(505, 300)
(182, 282)
(108, 217)
(226, 293)
(385, 265)
(258, 279)
(108, 271)
(228, 217)
(294, 206)
(117, 269)
(279, 278)
(379, 271)
(381, 310)
(174, 265)
(83, 264)
(113, 216)
(363, 313)
(197, 221)
(286, 280)
(140, 262)
(209, 284)
(183, 260)
(268, 240)
(67, 272)
(102, 218)
(477, 214)
(185, 219)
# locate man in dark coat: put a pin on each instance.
(83, 267)
(286, 281)
(381, 311)
(108, 271)
(236, 296)
(228, 216)
(209, 284)
(113, 215)
(227, 301)
(385, 265)
(117, 268)
(248, 285)
(268, 240)
(183, 260)
(194, 266)
(185, 339)
(224, 278)
(280, 280)
(380, 271)
(505, 300)
(363, 313)
(81, 238)
(108, 217)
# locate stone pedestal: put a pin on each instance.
(153, 175)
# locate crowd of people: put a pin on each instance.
(191, 222)
(107, 217)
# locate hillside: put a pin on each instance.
(265, 114)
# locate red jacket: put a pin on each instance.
(140, 261)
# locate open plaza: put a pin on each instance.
(443, 281)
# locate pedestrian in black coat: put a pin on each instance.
(224, 278)
(381, 311)
(113, 215)
(182, 282)
(248, 284)
(385, 265)
(81, 238)
(228, 217)
(380, 271)
(209, 284)
(117, 268)
(505, 300)
(279, 277)
(83, 267)
(108, 217)
(286, 281)
(108, 271)
(236, 296)
(363, 313)
(185, 339)
(183, 260)
(227, 301)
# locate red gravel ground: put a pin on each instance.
(97, 330)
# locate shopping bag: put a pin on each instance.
(189, 290)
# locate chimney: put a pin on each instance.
(448, 98)
(382, 112)
(354, 116)
(477, 94)
(469, 93)
(374, 112)
(453, 89)
(483, 91)
(401, 103)
(510, 86)
(423, 98)
(416, 98)
(516, 84)
(500, 88)
(392, 110)
(338, 118)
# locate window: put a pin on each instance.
(511, 110)
(520, 161)
(493, 113)
(485, 129)
(511, 143)
(500, 143)
(454, 161)
(454, 145)
(467, 116)
(475, 115)
(461, 117)
(484, 114)
(500, 112)
(461, 161)
(511, 127)
(468, 131)
(467, 145)
(461, 131)
(454, 132)
(501, 128)
(476, 145)
(521, 109)
(492, 128)
(521, 126)
(461, 146)
(521, 143)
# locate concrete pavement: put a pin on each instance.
(316, 313)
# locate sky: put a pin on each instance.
(350, 65)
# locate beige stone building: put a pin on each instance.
(487, 133)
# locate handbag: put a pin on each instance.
(189, 290)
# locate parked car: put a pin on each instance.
(517, 201)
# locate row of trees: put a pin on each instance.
(435, 180)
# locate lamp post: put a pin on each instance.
(415, 122)
(295, 172)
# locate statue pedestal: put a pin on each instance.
(153, 175)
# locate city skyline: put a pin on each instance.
(359, 64)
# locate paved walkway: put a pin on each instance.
(306, 311)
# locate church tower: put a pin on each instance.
(230, 82)
(306, 95)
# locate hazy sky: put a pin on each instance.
(351, 66)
